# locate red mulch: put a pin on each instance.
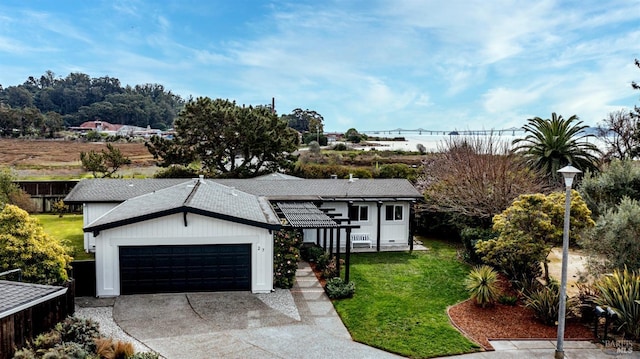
(508, 322)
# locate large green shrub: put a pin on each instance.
(613, 242)
(286, 253)
(397, 170)
(604, 190)
(25, 245)
(313, 170)
(621, 292)
(482, 284)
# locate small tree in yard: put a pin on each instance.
(104, 163)
(24, 245)
(529, 228)
(59, 208)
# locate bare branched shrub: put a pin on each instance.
(619, 132)
(476, 177)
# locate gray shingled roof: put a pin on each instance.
(197, 196)
(17, 296)
(119, 190)
(316, 189)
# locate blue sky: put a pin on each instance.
(372, 65)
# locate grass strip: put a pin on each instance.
(401, 300)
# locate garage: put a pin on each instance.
(185, 268)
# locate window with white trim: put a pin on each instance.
(393, 212)
(359, 213)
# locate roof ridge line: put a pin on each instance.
(191, 194)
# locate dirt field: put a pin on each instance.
(57, 159)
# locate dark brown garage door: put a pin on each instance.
(177, 269)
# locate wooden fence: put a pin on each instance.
(18, 328)
(45, 193)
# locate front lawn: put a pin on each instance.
(68, 229)
(401, 301)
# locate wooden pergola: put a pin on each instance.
(307, 215)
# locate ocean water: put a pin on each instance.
(434, 143)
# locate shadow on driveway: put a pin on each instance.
(300, 323)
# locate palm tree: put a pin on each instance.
(554, 143)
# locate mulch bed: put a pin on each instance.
(508, 322)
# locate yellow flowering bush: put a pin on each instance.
(25, 245)
(529, 228)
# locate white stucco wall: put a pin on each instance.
(170, 230)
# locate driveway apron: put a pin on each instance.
(241, 324)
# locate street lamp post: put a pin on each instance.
(568, 172)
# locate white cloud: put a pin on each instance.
(501, 100)
(57, 25)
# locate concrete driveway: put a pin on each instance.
(300, 323)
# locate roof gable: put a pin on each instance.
(196, 196)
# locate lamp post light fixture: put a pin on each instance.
(568, 172)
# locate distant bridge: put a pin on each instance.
(421, 131)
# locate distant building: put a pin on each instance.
(115, 129)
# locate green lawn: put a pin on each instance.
(68, 229)
(401, 300)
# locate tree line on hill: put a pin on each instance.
(42, 106)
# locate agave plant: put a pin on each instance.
(482, 284)
(620, 291)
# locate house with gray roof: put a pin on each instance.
(179, 235)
